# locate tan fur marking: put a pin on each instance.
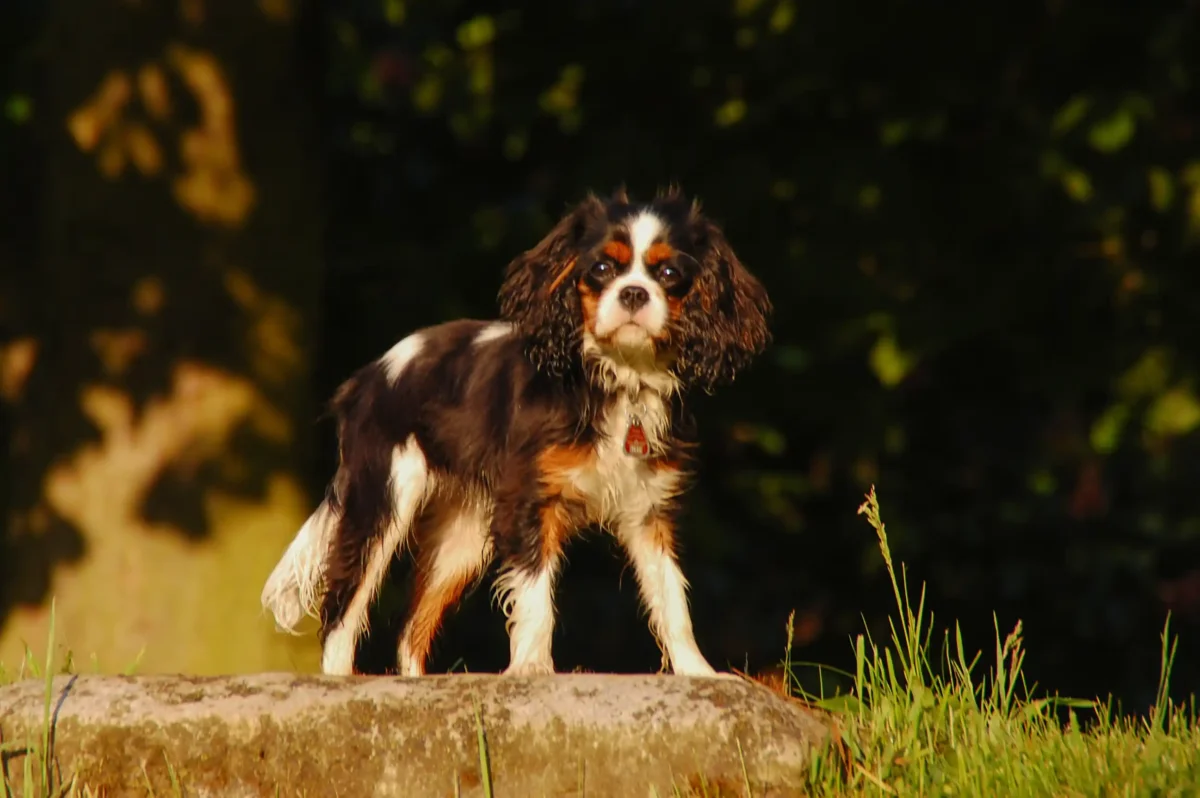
(674, 307)
(659, 252)
(429, 608)
(554, 467)
(619, 251)
(561, 276)
(590, 304)
(556, 528)
(662, 532)
(444, 571)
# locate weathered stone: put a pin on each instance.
(285, 734)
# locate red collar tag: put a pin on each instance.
(636, 444)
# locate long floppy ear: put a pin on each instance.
(723, 325)
(538, 295)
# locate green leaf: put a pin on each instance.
(476, 32)
(746, 37)
(427, 94)
(563, 96)
(1077, 185)
(1042, 482)
(482, 76)
(840, 703)
(18, 108)
(1113, 133)
(1176, 412)
(1070, 114)
(1162, 188)
(1106, 431)
(890, 363)
(895, 132)
(394, 11)
(744, 8)
(1148, 375)
(731, 112)
(782, 17)
(791, 357)
(869, 197)
(771, 441)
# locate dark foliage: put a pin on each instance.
(978, 224)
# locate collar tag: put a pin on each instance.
(636, 444)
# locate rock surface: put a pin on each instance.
(287, 734)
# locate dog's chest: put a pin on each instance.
(617, 486)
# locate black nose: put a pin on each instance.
(633, 297)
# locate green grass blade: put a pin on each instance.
(485, 766)
(745, 773)
(47, 702)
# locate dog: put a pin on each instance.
(474, 442)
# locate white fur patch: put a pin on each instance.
(493, 332)
(396, 359)
(410, 484)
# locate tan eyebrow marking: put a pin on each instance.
(657, 253)
(619, 251)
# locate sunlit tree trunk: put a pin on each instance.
(160, 399)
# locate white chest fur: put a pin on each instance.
(619, 488)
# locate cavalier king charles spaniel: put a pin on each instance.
(473, 442)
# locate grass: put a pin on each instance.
(917, 720)
(37, 762)
(924, 722)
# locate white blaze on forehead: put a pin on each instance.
(645, 229)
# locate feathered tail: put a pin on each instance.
(294, 589)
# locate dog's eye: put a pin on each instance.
(669, 275)
(601, 268)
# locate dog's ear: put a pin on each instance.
(538, 295)
(723, 325)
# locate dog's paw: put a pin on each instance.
(692, 666)
(529, 669)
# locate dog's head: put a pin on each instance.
(654, 285)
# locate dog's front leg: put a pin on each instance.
(529, 531)
(650, 545)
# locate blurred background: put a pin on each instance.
(978, 222)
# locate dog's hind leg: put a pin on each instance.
(377, 516)
(453, 550)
